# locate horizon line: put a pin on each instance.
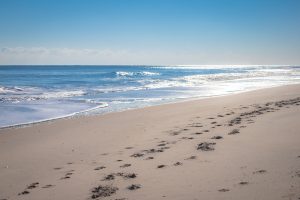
(177, 65)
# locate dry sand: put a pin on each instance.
(242, 146)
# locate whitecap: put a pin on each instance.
(132, 74)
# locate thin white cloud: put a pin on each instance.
(57, 51)
(43, 55)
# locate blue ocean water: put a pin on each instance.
(36, 93)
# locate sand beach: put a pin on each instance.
(240, 146)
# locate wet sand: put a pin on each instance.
(242, 146)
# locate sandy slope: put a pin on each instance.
(261, 161)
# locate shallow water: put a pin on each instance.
(36, 93)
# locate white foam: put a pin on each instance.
(146, 73)
(130, 74)
(91, 100)
(62, 94)
(124, 73)
(217, 66)
(9, 90)
(36, 95)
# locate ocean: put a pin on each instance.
(37, 93)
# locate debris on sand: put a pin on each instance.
(161, 166)
(103, 191)
(206, 146)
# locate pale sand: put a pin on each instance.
(262, 161)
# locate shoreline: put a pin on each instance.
(241, 146)
(80, 114)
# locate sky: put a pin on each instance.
(150, 32)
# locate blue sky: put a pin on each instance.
(149, 32)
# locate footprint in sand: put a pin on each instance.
(223, 190)
(134, 187)
(103, 191)
(198, 133)
(99, 168)
(125, 165)
(262, 171)
(217, 137)
(149, 158)
(234, 131)
(33, 185)
(24, 192)
(67, 175)
(29, 187)
(206, 146)
(48, 186)
(177, 163)
(187, 138)
(136, 155)
(109, 177)
(175, 133)
(191, 158)
(127, 175)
